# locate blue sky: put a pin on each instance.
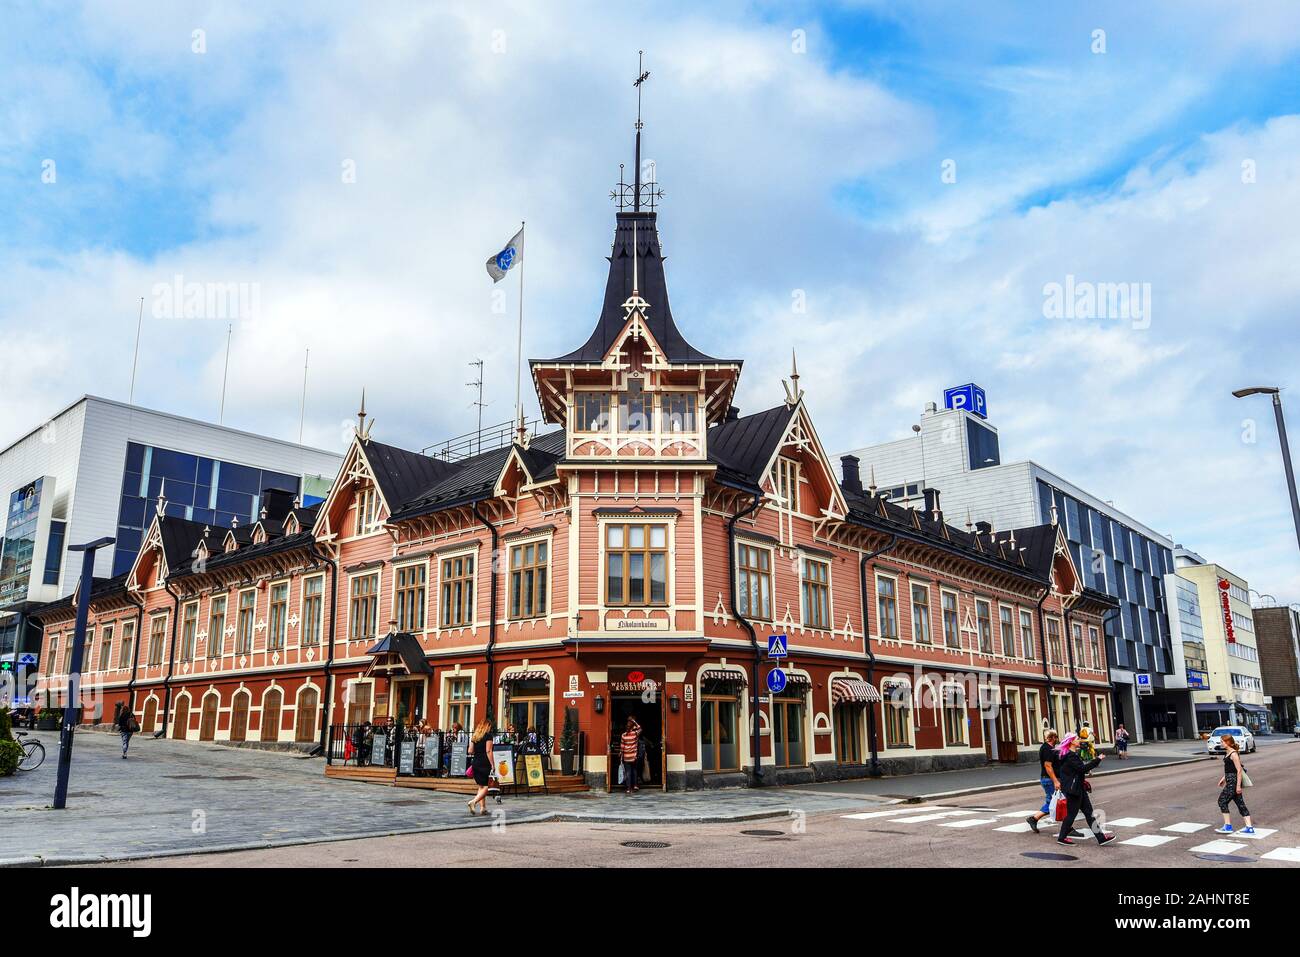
(791, 173)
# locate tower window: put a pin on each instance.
(591, 411)
(635, 409)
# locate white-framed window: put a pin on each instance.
(896, 703)
(1007, 630)
(456, 590)
(410, 596)
(1033, 709)
(189, 629)
(1080, 658)
(787, 483)
(245, 621)
(921, 614)
(636, 408)
(954, 714)
(529, 579)
(1056, 654)
(216, 626)
(754, 580)
(591, 411)
(88, 655)
(367, 506)
(106, 647)
(157, 638)
(52, 655)
(459, 690)
(363, 607)
(1027, 634)
(678, 412)
(126, 652)
(1094, 643)
(887, 607)
(815, 593)
(951, 627)
(278, 626)
(984, 626)
(312, 613)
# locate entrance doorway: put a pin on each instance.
(181, 719)
(410, 702)
(629, 691)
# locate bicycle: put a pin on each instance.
(33, 753)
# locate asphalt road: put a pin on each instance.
(1166, 814)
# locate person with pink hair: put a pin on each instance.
(1072, 770)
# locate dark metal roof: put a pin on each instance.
(99, 588)
(741, 448)
(652, 286)
(400, 474)
(407, 647)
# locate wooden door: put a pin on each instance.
(208, 718)
(239, 717)
(305, 723)
(271, 715)
(150, 716)
(181, 718)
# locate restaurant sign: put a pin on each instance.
(1228, 630)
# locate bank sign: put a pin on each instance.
(969, 397)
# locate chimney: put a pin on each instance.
(733, 413)
(852, 481)
(983, 528)
(277, 503)
(932, 504)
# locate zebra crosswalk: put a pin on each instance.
(1137, 832)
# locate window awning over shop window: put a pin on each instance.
(512, 676)
(797, 682)
(718, 674)
(853, 691)
(399, 652)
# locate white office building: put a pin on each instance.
(957, 451)
(96, 468)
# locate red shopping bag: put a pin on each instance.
(1058, 806)
(347, 750)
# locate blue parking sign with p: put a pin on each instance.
(776, 646)
(969, 397)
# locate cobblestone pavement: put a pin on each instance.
(173, 798)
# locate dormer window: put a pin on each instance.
(635, 409)
(591, 412)
(679, 412)
(367, 507)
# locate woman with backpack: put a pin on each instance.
(126, 726)
(1233, 780)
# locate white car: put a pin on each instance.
(1245, 740)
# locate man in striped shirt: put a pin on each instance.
(630, 744)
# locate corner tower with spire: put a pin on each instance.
(636, 388)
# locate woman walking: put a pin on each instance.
(126, 726)
(1234, 778)
(1121, 741)
(480, 745)
(1072, 771)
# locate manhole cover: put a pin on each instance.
(406, 803)
(237, 777)
(1047, 856)
(1226, 858)
(763, 833)
(647, 845)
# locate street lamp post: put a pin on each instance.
(72, 713)
(1276, 393)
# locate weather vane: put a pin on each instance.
(636, 194)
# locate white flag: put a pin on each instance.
(499, 265)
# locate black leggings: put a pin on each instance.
(1229, 795)
(1073, 805)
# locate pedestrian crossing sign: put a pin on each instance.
(776, 646)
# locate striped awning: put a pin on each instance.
(797, 681)
(718, 674)
(853, 690)
(511, 677)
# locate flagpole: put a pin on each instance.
(519, 348)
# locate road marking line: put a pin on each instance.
(1217, 847)
(1149, 840)
(1128, 822)
(930, 817)
(1259, 835)
(1185, 827)
(1283, 854)
(1020, 814)
(868, 815)
(1021, 828)
(970, 822)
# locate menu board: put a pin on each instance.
(459, 757)
(432, 748)
(503, 763)
(379, 749)
(406, 757)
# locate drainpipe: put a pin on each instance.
(1042, 642)
(1069, 646)
(871, 656)
(492, 615)
(171, 661)
(135, 651)
(744, 623)
(327, 676)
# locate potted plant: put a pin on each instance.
(50, 719)
(568, 740)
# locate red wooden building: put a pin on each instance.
(632, 560)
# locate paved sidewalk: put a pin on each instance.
(174, 798)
